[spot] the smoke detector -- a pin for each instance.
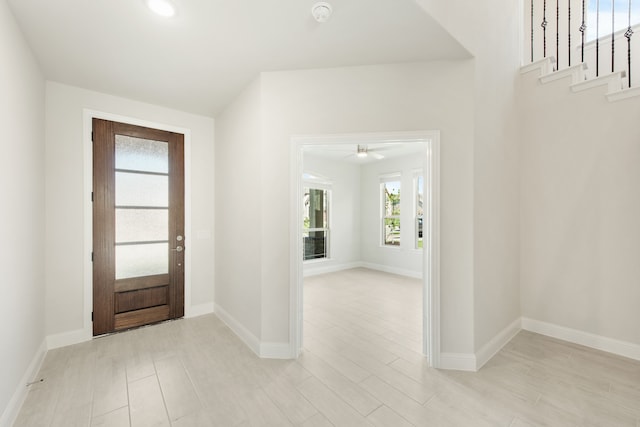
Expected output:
(321, 11)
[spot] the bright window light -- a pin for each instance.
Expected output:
(162, 7)
(625, 14)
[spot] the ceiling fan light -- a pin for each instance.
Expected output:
(361, 151)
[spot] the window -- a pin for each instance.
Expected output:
(419, 210)
(625, 13)
(390, 192)
(315, 220)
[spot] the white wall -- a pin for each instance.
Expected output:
(238, 221)
(344, 212)
(425, 96)
(491, 32)
(405, 259)
(22, 90)
(66, 198)
(580, 208)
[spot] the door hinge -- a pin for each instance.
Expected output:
(91, 256)
(91, 136)
(92, 196)
(92, 316)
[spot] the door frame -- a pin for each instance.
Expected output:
(88, 116)
(431, 246)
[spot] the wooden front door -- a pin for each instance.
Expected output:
(138, 226)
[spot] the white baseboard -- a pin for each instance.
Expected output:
(276, 350)
(13, 407)
(199, 310)
(621, 348)
(317, 269)
(473, 362)
(458, 361)
(392, 270)
(495, 345)
(243, 333)
(311, 270)
(68, 338)
(266, 350)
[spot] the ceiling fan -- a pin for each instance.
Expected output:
(362, 152)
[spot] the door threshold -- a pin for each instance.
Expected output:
(136, 327)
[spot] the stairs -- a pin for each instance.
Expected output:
(614, 81)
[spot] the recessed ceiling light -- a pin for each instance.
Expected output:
(162, 7)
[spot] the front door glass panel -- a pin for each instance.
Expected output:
(141, 225)
(141, 260)
(141, 207)
(142, 154)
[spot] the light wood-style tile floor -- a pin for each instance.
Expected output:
(361, 366)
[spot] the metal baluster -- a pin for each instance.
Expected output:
(613, 40)
(569, 32)
(628, 35)
(557, 34)
(531, 30)
(582, 29)
(597, 36)
(544, 29)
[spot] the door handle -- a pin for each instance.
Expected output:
(179, 248)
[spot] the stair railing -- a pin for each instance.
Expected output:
(599, 21)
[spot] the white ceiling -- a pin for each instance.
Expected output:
(201, 59)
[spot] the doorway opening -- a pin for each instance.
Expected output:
(418, 230)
